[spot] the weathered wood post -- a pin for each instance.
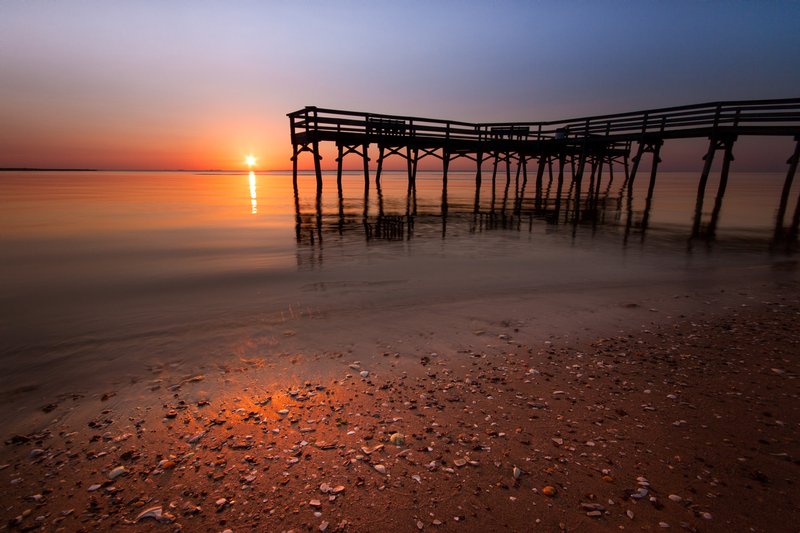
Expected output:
(339, 168)
(723, 184)
(365, 155)
(787, 186)
(636, 159)
(294, 168)
(380, 165)
(654, 169)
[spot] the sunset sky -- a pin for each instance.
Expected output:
(156, 85)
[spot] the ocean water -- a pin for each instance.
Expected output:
(102, 271)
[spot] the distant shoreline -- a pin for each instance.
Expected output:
(27, 169)
(34, 169)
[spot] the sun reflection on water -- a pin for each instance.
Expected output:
(253, 198)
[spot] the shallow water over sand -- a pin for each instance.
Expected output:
(104, 272)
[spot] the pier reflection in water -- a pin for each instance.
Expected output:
(605, 204)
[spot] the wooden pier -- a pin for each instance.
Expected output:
(586, 144)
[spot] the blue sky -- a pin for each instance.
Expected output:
(196, 84)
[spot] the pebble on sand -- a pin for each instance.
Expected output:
(549, 490)
(118, 471)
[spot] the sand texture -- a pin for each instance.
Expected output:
(686, 420)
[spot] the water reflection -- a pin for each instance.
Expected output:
(560, 202)
(253, 197)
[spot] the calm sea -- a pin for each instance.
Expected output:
(102, 268)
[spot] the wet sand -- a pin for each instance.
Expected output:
(680, 409)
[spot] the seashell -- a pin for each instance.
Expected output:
(118, 471)
(153, 512)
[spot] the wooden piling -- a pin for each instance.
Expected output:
(380, 166)
(339, 168)
(365, 155)
(317, 166)
(787, 186)
(636, 159)
(294, 168)
(701, 185)
(410, 165)
(723, 184)
(540, 174)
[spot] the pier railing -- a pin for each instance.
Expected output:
(751, 116)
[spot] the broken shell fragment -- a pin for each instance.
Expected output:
(153, 512)
(118, 471)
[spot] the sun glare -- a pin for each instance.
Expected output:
(250, 160)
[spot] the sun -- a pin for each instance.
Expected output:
(250, 160)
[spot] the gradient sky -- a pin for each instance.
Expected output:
(178, 84)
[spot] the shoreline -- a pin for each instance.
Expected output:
(702, 407)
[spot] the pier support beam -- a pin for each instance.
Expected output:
(645, 145)
(385, 151)
(795, 221)
(540, 173)
(410, 164)
(651, 186)
(317, 167)
(313, 147)
(722, 143)
(345, 150)
(723, 184)
(787, 187)
(339, 169)
(364, 153)
(294, 168)
(600, 160)
(380, 166)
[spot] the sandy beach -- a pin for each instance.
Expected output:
(677, 410)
